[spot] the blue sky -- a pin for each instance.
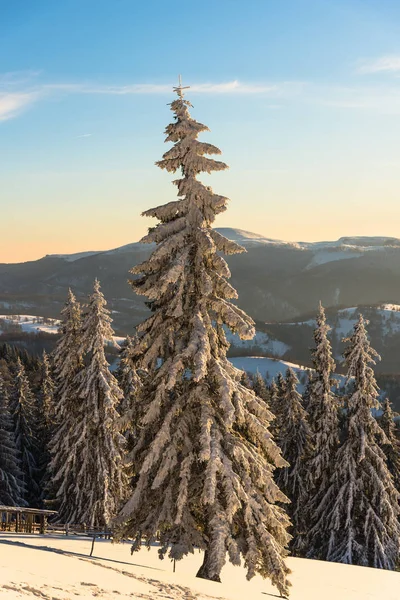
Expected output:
(302, 97)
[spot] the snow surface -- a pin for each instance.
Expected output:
(59, 568)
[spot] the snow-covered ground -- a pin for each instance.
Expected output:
(59, 568)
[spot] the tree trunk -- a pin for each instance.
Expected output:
(205, 570)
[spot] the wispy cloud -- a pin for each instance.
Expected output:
(388, 64)
(84, 135)
(12, 104)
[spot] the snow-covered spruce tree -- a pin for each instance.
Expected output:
(307, 390)
(259, 387)
(277, 392)
(205, 457)
(364, 510)
(12, 487)
(22, 407)
(273, 396)
(45, 416)
(130, 384)
(246, 380)
(293, 438)
(67, 362)
(99, 479)
(324, 426)
(46, 396)
(391, 445)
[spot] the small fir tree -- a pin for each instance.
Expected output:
(45, 416)
(363, 507)
(22, 406)
(205, 458)
(293, 440)
(260, 388)
(277, 393)
(324, 427)
(305, 398)
(99, 479)
(12, 486)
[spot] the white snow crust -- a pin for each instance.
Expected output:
(59, 568)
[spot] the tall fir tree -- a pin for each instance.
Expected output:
(293, 438)
(99, 479)
(391, 445)
(324, 426)
(22, 406)
(67, 362)
(12, 486)
(204, 458)
(362, 505)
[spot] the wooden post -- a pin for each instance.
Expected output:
(67, 529)
(16, 522)
(91, 551)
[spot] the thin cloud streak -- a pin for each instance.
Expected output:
(388, 64)
(230, 87)
(16, 97)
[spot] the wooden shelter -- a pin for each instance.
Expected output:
(20, 519)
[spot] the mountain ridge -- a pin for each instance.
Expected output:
(248, 238)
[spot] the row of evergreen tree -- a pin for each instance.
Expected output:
(343, 476)
(26, 394)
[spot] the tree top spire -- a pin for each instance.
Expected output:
(179, 89)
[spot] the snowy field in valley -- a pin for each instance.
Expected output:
(267, 367)
(262, 340)
(59, 568)
(31, 323)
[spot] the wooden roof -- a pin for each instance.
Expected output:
(23, 509)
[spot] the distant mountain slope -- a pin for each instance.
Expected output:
(276, 280)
